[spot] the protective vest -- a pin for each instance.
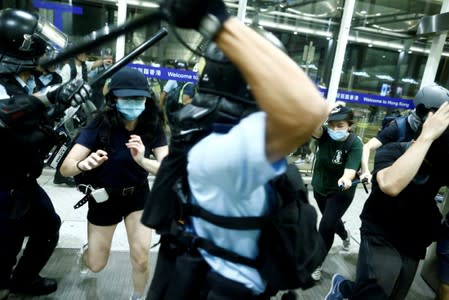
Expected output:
(73, 70)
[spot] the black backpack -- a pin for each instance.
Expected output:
(401, 122)
(290, 246)
(173, 101)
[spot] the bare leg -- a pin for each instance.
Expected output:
(443, 291)
(99, 246)
(139, 239)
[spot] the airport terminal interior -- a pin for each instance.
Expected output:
(372, 54)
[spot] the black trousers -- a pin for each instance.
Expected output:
(382, 272)
(186, 275)
(332, 208)
(40, 223)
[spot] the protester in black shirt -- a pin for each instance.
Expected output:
(400, 217)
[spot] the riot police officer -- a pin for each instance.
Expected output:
(27, 136)
(232, 140)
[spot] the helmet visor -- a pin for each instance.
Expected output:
(50, 34)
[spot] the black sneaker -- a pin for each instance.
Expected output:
(59, 179)
(4, 293)
(38, 286)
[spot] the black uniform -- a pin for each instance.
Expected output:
(49, 79)
(25, 208)
(395, 231)
(391, 133)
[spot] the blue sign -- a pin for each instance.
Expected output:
(370, 99)
(59, 9)
(166, 73)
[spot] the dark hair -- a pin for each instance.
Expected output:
(149, 122)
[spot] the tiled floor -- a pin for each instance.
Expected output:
(73, 235)
(73, 232)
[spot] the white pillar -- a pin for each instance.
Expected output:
(121, 18)
(433, 60)
(241, 12)
(342, 43)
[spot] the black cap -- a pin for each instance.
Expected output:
(129, 82)
(341, 113)
(180, 64)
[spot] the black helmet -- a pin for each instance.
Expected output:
(180, 64)
(24, 39)
(224, 96)
(223, 78)
(430, 98)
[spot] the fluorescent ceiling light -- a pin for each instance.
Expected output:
(385, 77)
(286, 27)
(361, 74)
(409, 80)
(309, 66)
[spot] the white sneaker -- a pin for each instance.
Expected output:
(347, 241)
(316, 275)
(82, 265)
(134, 298)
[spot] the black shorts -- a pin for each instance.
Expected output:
(117, 207)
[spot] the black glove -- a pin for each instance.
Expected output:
(72, 93)
(206, 16)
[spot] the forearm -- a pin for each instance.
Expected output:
(162, 99)
(294, 106)
(349, 174)
(394, 179)
(69, 167)
(98, 63)
(150, 165)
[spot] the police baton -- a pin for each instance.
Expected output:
(364, 181)
(130, 56)
(102, 36)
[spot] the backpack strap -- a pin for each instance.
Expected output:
(211, 248)
(238, 223)
(402, 126)
(348, 143)
(73, 70)
(181, 92)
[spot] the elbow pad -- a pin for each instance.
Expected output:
(21, 111)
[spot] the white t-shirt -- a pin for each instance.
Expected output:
(65, 71)
(170, 85)
(227, 174)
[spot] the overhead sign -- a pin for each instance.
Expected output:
(166, 73)
(370, 99)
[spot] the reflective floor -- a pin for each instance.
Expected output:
(114, 282)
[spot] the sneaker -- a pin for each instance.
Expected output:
(334, 292)
(82, 265)
(36, 287)
(316, 275)
(59, 179)
(347, 241)
(135, 298)
(4, 293)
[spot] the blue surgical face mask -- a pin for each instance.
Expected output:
(338, 135)
(130, 109)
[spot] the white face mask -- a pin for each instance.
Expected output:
(338, 135)
(130, 109)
